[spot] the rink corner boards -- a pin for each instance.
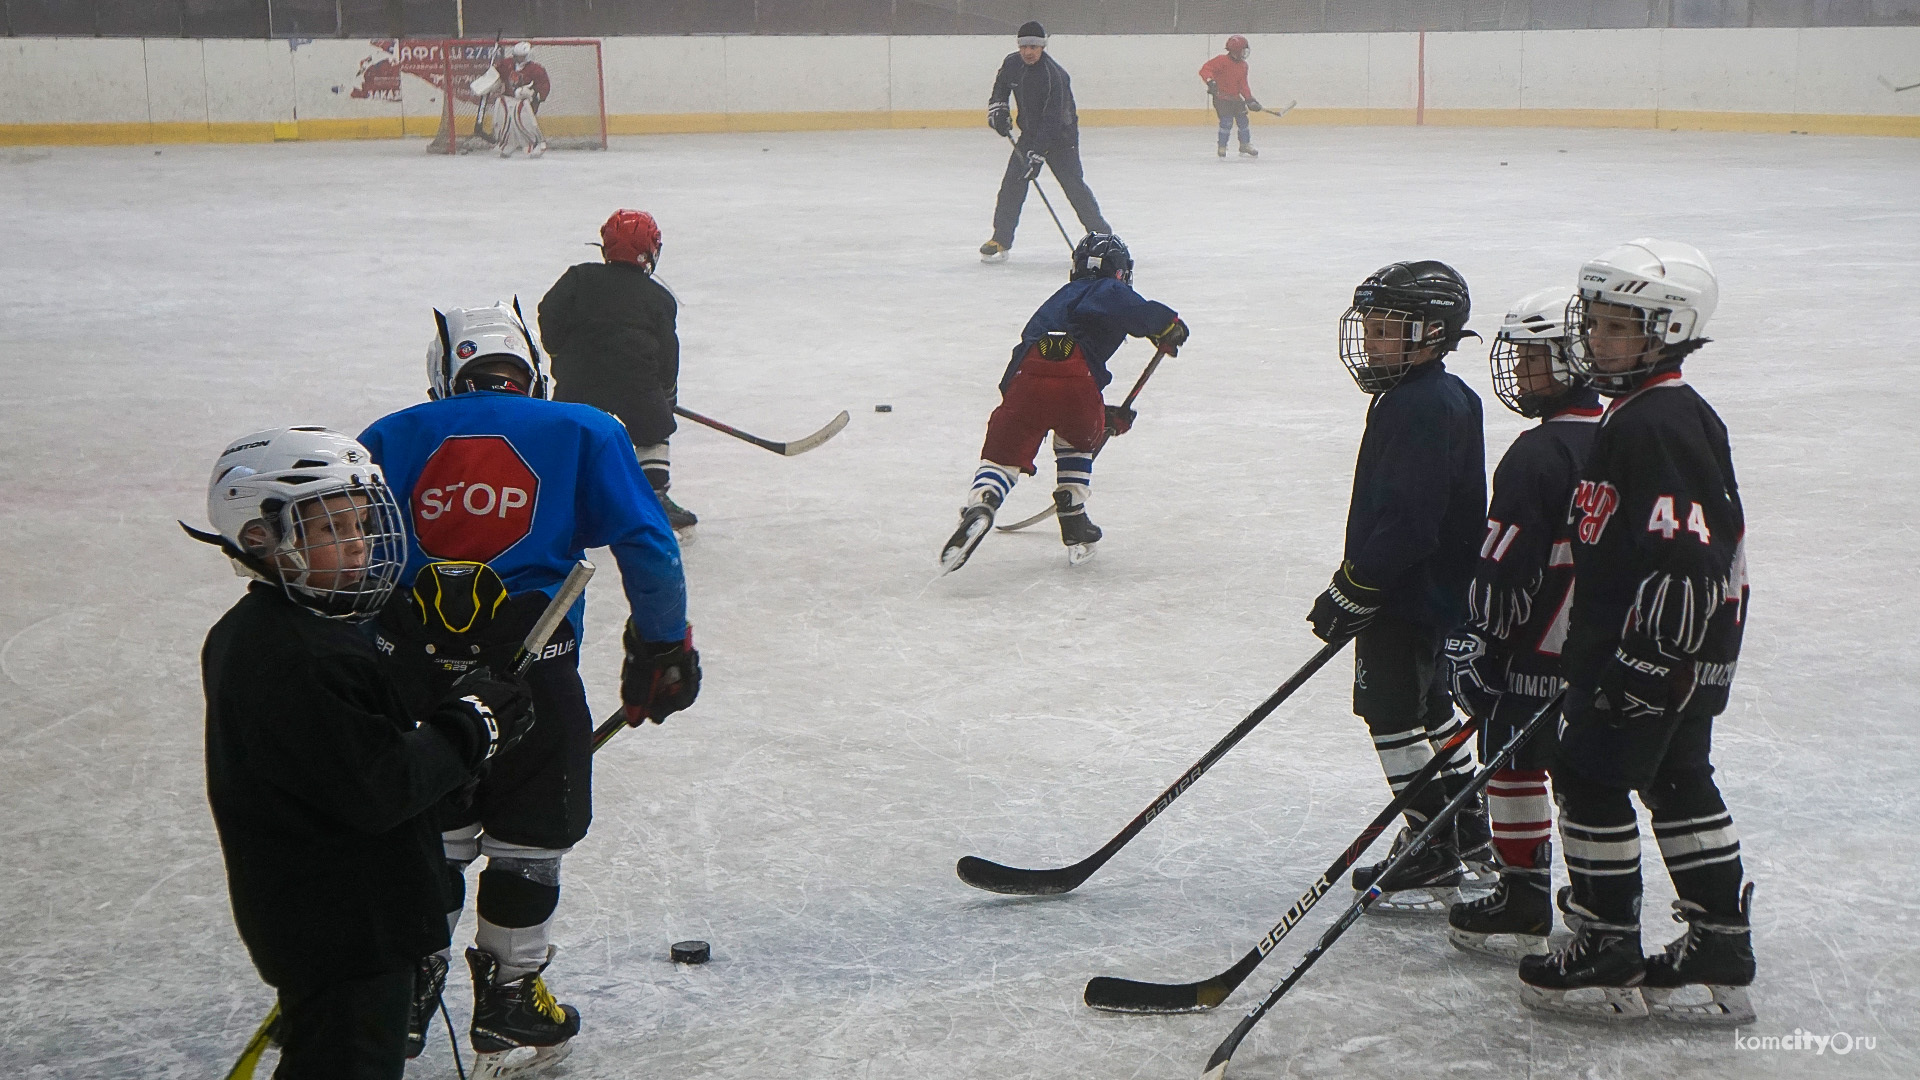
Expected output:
(322, 130)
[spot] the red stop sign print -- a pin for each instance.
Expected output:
(474, 500)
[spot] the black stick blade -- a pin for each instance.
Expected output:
(993, 877)
(1222, 1054)
(1127, 996)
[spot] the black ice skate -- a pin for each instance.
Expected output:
(1573, 916)
(1716, 954)
(1473, 840)
(679, 517)
(429, 979)
(976, 521)
(1602, 957)
(1222, 152)
(511, 1019)
(993, 251)
(1514, 919)
(1076, 531)
(1246, 150)
(1430, 881)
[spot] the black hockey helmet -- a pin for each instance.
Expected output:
(1399, 312)
(1102, 255)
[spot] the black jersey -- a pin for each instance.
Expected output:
(1521, 599)
(1048, 119)
(611, 331)
(1658, 540)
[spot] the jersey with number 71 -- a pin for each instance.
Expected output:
(1658, 533)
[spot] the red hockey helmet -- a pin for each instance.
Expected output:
(1237, 45)
(631, 236)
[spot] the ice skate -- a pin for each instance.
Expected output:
(1514, 919)
(1428, 882)
(1602, 965)
(976, 521)
(429, 980)
(537, 149)
(679, 517)
(1473, 840)
(518, 1029)
(1076, 530)
(1246, 150)
(993, 251)
(1714, 956)
(1221, 152)
(1572, 916)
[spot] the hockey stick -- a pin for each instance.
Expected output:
(1035, 181)
(1282, 112)
(1217, 1064)
(1129, 996)
(549, 621)
(788, 449)
(250, 1056)
(1888, 83)
(995, 877)
(1159, 355)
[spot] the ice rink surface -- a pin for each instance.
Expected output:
(862, 727)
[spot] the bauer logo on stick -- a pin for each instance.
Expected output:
(474, 499)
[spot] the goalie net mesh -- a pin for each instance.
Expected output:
(572, 117)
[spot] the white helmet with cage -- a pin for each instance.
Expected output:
(522, 51)
(307, 509)
(469, 336)
(1534, 329)
(1670, 290)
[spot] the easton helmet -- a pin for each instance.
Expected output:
(631, 236)
(1531, 373)
(1102, 255)
(1644, 305)
(1403, 315)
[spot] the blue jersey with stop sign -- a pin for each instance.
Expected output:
(527, 486)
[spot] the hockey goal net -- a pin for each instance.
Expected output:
(573, 116)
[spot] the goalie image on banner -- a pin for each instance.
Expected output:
(517, 85)
(489, 95)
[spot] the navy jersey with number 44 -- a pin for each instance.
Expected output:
(1658, 540)
(527, 486)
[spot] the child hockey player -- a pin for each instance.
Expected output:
(611, 330)
(1053, 384)
(320, 781)
(1413, 528)
(522, 87)
(1506, 660)
(1226, 79)
(495, 474)
(1655, 633)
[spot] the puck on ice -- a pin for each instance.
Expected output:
(691, 952)
(883, 408)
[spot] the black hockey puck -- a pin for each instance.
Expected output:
(691, 952)
(883, 408)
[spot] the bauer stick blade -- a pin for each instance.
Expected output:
(786, 449)
(1127, 995)
(557, 608)
(998, 877)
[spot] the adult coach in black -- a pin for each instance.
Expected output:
(1657, 619)
(1413, 537)
(1049, 137)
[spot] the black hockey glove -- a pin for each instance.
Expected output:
(1254, 106)
(1035, 162)
(1643, 681)
(1213, 88)
(1345, 608)
(1474, 673)
(1119, 420)
(1170, 339)
(484, 715)
(658, 678)
(999, 119)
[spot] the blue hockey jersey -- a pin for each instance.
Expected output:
(1099, 314)
(527, 486)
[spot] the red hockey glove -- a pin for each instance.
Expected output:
(658, 679)
(1119, 420)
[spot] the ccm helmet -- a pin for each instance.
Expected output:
(1534, 333)
(1641, 308)
(1400, 312)
(1102, 255)
(306, 508)
(469, 336)
(631, 236)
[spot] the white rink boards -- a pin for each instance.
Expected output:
(861, 729)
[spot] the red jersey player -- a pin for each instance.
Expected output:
(523, 86)
(1226, 79)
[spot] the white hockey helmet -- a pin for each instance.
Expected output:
(1539, 320)
(1670, 284)
(521, 51)
(307, 509)
(468, 336)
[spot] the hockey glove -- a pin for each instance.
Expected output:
(658, 678)
(1170, 339)
(999, 119)
(1254, 106)
(1643, 681)
(1345, 608)
(1119, 420)
(1474, 673)
(1213, 88)
(484, 715)
(1035, 162)
(523, 93)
